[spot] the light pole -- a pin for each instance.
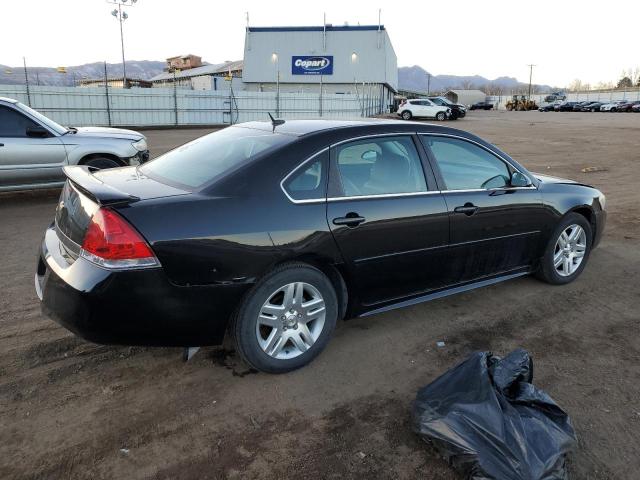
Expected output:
(530, 75)
(276, 62)
(121, 16)
(354, 61)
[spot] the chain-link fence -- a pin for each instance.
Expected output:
(174, 106)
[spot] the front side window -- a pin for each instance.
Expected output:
(211, 157)
(378, 166)
(59, 129)
(466, 166)
(309, 182)
(13, 123)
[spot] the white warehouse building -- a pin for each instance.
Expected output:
(342, 59)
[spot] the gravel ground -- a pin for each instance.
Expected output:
(72, 409)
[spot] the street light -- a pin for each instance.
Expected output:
(121, 16)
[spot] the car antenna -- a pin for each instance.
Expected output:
(275, 121)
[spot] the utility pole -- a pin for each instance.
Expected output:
(428, 84)
(121, 17)
(530, 76)
(26, 81)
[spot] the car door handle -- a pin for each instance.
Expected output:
(351, 219)
(468, 209)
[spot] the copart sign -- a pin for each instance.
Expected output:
(316, 65)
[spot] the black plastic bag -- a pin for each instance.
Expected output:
(487, 419)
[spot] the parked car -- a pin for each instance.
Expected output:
(591, 107)
(423, 108)
(636, 108)
(565, 107)
(34, 148)
(549, 107)
(273, 232)
(627, 105)
(481, 106)
(611, 106)
(579, 105)
(457, 110)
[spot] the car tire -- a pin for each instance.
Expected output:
(441, 116)
(406, 115)
(272, 333)
(102, 163)
(569, 268)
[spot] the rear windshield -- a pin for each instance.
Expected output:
(208, 158)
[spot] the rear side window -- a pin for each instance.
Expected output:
(309, 182)
(14, 124)
(209, 158)
(379, 166)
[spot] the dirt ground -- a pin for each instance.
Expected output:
(72, 409)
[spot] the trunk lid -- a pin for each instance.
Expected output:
(86, 191)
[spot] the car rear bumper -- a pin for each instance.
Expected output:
(135, 307)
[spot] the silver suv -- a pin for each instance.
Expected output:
(34, 148)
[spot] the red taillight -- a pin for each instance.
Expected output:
(111, 242)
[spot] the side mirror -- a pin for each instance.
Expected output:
(37, 132)
(369, 156)
(519, 180)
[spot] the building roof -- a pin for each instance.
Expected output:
(328, 28)
(203, 70)
(474, 90)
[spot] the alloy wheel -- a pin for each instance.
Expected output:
(569, 251)
(291, 320)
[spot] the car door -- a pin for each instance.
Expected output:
(496, 228)
(430, 109)
(28, 156)
(388, 219)
(415, 108)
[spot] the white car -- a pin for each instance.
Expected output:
(612, 106)
(421, 107)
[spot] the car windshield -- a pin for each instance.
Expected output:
(441, 101)
(59, 129)
(208, 158)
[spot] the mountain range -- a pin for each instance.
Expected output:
(415, 78)
(144, 69)
(409, 78)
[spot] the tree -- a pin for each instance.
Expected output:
(625, 82)
(576, 86)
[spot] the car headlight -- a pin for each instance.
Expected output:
(140, 145)
(603, 201)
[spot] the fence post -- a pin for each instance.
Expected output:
(106, 93)
(175, 97)
(320, 98)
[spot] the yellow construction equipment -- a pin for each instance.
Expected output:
(520, 103)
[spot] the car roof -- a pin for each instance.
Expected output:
(8, 100)
(305, 127)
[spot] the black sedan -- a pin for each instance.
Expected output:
(565, 107)
(271, 233)
(481, 106)
(457, 110)
(577, 107)
(592, 107)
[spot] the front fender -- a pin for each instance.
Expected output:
(121, 149)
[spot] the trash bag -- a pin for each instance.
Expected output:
(488, 420)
